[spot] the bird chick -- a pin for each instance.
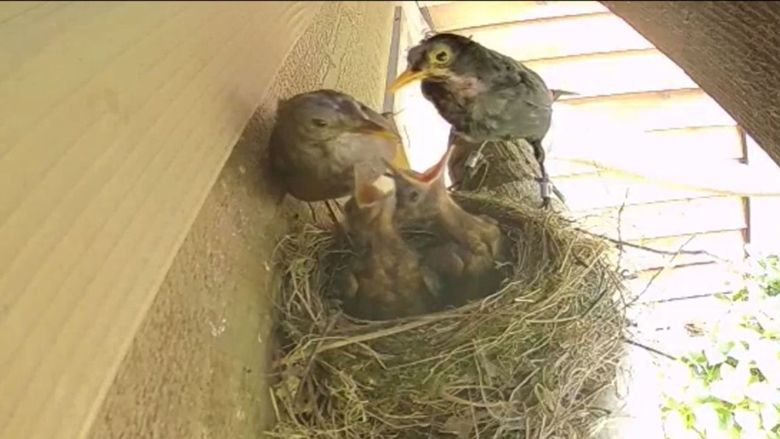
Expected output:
(319, 137)
(485, 95)
(384, 279)
(466, 251)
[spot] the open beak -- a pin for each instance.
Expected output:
(406, 175)
(436, 172)
(406, 78)
(366, 194)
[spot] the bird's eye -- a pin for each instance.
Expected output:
(442, 56)
(319, 123)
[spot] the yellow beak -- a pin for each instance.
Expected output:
(406, 78)
(367, 194)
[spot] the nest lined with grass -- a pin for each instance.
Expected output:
(531, 361)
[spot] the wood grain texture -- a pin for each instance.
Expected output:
(557, 37)
(727, 245)
(603, 74)
(654, 110)
(684, 282)
(448, 16)
(671, 218)
(197, 366)
(731, 50)
(676, 146)
(116, 120)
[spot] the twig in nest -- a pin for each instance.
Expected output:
(414, 324)
(310, 361)
(662, 270)
(620, 230)
(649, 349)
(652, 250)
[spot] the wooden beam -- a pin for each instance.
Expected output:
(603, 74)
(763, 212)
(463, 16)
(727, 244)
(672, 218)
(553, 38)
(682, 282)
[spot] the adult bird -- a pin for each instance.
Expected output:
(485, 95)
(384, 278)
(467, 252)
(318, 138)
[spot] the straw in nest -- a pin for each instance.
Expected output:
(531, 361)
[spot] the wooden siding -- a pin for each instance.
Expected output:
(115, 120)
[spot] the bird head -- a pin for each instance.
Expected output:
(325, 114)
(418, 195)
(436, 57)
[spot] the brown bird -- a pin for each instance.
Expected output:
(318, 138)
(466, 251)
(485, 95)
(384, 279)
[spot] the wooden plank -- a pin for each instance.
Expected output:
(680, 145)
(709, 177)
(667, 219)
(449, 16)
(12, 9)
(764, 212)
(647, 111)
(613, 73)
(684, 282)
(593, 191)
(559, 37)
(729, 245)
(116, 119)
(712, 142)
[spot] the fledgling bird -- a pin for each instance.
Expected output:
(384, 279)
(485, 95)
(468, 252)
(319, 137)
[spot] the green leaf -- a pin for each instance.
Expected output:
(724, 417)
(740, 296)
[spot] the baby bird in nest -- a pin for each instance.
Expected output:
(468, 252)
(485, 95)
(384, 278)
(319, 137)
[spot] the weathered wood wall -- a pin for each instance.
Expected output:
(116, 119)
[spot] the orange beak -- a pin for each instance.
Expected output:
(406, 78)
(436, 172)
(367, 194)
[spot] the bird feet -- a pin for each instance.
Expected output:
(545, 189)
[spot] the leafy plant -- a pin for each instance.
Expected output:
(731, 387)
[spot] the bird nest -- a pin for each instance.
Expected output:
(532, 360)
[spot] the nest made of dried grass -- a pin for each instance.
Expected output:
(531, 361)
